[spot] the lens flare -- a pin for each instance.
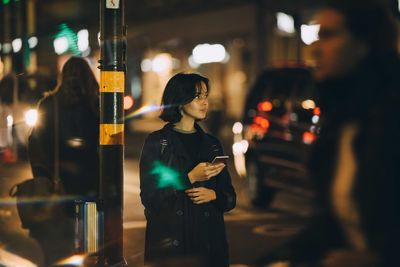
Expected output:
(146, 109)
(166, 176)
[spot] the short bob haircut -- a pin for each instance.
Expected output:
(180, 90)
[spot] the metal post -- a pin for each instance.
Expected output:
(19, 33)
(31, 60)
(7, 48)
(112, 87)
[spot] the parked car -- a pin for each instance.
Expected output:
(19, 96)
(272, 142)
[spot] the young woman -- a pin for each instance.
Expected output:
(183, 194)
(71, 110)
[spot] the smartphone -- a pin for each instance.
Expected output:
(220, 159)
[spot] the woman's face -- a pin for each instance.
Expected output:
(197, 109)
(336, 52)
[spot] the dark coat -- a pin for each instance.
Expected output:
(78, 145)
(78, 167)
(177, 229)
(367, 99)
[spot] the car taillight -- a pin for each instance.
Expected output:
(317, 111)
(262, 122)
(264, 106)
(256, 131)
(309, 137)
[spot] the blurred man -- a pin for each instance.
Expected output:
(355, 159)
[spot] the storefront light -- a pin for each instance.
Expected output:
(162, 63)
(33, 42)
(146, 65)
(61, 45)
(209, 53)
(192, 63)
(17, 45)
(83, 40)
(309, 33)
(285, 23)
(7, 47)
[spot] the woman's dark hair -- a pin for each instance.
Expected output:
(370, 21)
(180, 90)
(77, 84)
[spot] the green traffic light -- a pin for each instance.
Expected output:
(6, 2)
(70, 35)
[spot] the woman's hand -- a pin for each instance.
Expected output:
(200, 195)
(205, 171)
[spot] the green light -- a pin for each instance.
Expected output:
(65, 31)
(6, 2)
(167, 177)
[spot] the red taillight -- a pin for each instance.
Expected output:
(264, 106)
(317, 111)
(263, 122)
(257, 129)
(309, 137)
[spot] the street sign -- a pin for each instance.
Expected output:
(113, 4)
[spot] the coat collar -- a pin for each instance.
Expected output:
(168, 128)
(206, 146)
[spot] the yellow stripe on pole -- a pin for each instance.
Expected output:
(111, 134)
(112, 82)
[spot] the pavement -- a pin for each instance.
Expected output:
(252, 233)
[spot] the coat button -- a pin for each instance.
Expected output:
(207, 214)
(179, 213)
(175, 243)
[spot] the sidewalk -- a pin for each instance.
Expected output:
(14, 239)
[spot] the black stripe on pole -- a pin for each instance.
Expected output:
(112, 108)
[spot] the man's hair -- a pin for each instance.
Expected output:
(370, 21)
(180, 90)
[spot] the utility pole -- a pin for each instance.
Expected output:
(19, 34)
(7, 47)
(31, 58)
(112, 87)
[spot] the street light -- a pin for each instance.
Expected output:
(61, 45)
(309, 33)
(83, 40)
(209, 53)
(33, 42)
(17, 45)
(285, 23)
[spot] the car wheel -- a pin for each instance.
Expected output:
(260, 195)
